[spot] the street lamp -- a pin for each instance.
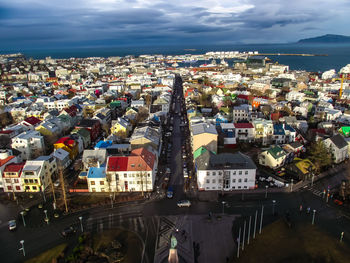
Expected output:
(266, 186)
(291, 186)
(327, 196)
(81, 223)
(111, 196)
(22, 248)
(22, 214)
(46, 218)
(313, 216)
(341, 236)
(273, 206)
(223, 207)
(312, 179)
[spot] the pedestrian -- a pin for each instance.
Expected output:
(308, 210)
(300, 208)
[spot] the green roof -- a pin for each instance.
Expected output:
(82, 131)
(345, 130)
(199, 152)
(276, 151)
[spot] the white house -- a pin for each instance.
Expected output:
(29, 143)
(338, 146)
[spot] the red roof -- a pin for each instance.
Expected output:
(117, 164)
(66, 141)
(71, 111)
(32, 120)
(6, 132)
(14, 167)
(243, 97)
(243, 125)
(4, 161)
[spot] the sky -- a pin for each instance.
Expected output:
(90, 23)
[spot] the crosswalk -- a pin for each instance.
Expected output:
(316, 192)
(133, 222)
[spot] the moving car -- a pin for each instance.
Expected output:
(184, 203)
(12, 225)
(68, 231)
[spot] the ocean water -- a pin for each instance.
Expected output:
(338, 55)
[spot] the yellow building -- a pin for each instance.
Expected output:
(69, 145)
(204, 134)
(121, 127)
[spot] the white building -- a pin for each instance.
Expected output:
(29, 143)
(225, 171)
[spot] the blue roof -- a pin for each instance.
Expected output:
(97, 172)
(103, 144)
(289, 128)
(278, 129)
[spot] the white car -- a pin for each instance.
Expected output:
(183, 203)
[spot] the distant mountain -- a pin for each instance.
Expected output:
(329, 38)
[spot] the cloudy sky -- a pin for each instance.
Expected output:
(54, 23)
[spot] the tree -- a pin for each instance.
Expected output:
(319, 155)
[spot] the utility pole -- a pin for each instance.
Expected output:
(63, 188)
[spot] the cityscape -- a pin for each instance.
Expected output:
(166, 134)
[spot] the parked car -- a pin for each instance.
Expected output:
(170, 192)
(68, 231)
(12, 225)
(184, 203)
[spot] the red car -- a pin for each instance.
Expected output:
(338, 202)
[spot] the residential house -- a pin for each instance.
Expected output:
(38, 174)
(47, 128)
(244, 132)
(12, 177)
(204, 134)
(69, 145)
(5, 158)
(228, 131)
(135, 172)
(225, 171)
(121, 127)
(338, 146)
(62, 158)
(94, 158)
(303, 168)
(263, 130)
(93, 126)
(85, 135)
(103, 115)
(146, 137)
(273, 158)
(240, 113)
(29, 143)
(31, 122)
(97, 180)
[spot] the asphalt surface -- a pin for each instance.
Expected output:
(143, 217)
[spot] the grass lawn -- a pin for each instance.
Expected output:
(302, 244)
(132, 245)
(48, 255)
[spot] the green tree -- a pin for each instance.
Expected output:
(319, 155)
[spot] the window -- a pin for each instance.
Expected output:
(233, 187)
(233, 180)
(246, 172)
(36, 181)
(245, 187)
(213, 181)
(34, 187)
(239, 187)
(208, 181)
(245, 180)
(213, 188)
(234, 172)
(16, 181)
(220, 181)
(240, 173)
(208, 173)
(27, 188)
(214, 173)
(102, 189)
(149, 174)
(18, 188)
(8, 181)
(102, 182)
(220, 173)
(92, 183)
(240, 180)
(93, 189)
(9, 187)
(30, 181)
(125, 175)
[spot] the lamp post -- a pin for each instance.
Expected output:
(81, 223)
(261, 218)
(341, 236)
(327, 196)
(223, 207)
(46, 218)
(22, 248)
(313, 216)
(111, 196)
(291, 186)
(312, 179)
(273, 206)
(22, 214)
(266, 186)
